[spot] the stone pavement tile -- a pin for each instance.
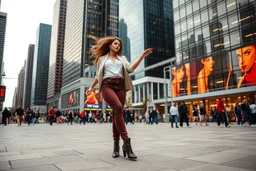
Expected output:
(2, 148)
(40, 168)
(83, 165)
(220, 147)
(170, 162)
(4, 165)
(9, 153)
(66, 152)
(212, 167)
(45, 161)
(20, 156)
(243, 151)
(219, 158)
(244, 163)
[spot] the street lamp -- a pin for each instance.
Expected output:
(167, 69)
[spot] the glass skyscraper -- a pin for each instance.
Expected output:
(86, 20)
(215, 42)
(41, 67)
(144, 24)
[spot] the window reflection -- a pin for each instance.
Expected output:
(190, 23)
(189, 8)
(231, 5)
(204, 16)
(195, 5)
(182, 12)
(197, 20)
(203, 3)
(176, 16)
(221, 8)
(206, 31)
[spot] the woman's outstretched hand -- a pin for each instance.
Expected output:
(146, 52)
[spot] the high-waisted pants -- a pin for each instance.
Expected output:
(113, 92)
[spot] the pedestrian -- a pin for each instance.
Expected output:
(183, 110)
(151, 116)
(28, 116)
(5, 116)
(82, 118)
(37, 115)
(155, 115)
(221, 117)
(245, 109)
(228, 114)
(253, 114)
(58, 115)
(195, 114)
(174, 114)
(203, 117)
(19, 114)
(238, 114)
(70, 117)
(114, 80)
(51, 114)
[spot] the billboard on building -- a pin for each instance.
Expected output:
(93, 100)
(228, 70)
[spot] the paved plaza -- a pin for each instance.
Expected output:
(64, 147)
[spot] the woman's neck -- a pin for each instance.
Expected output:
(112, 54)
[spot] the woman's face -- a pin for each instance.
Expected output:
(179, 74)
(208, 64)
(115, 46)
(247, 57)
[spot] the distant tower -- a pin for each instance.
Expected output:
(41, 67)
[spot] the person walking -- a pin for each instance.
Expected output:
(5, 116)
(58, 115)
(51, 114)
(82, 116)
(183, 110)
(19, 113)
(70, 117)
(114, 80)
(221, 113)
(253, 114)
(29, 116)
(245, 109)
(238, 114)
(203, 117)
(174, 114)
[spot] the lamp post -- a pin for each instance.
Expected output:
(167, 69)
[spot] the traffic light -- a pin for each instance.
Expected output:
(2, 93)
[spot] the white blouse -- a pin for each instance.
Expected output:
(113, 69)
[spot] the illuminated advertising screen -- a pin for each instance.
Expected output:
(93, 100)
(229, 70)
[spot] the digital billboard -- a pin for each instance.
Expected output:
(93, 100)
(234, 69)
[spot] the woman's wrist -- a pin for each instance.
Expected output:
(141, 58)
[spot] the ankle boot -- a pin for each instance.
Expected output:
(116, 149)
(127, 149)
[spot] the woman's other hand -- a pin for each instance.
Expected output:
(146, 52)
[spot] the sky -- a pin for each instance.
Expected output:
(23, 18)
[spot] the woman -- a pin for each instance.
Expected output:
(178, 74)
(238, 113)
(245, 109)
(202, 77)
(113, 79)
(247, 60)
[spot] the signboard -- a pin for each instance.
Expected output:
(93, 100)
(2, 93)
(228, 70)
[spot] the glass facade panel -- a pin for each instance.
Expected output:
(189, 8)
(183, 26)
(203, 3)
(176, 15)
(206, 31)
(231, 5)
(235, 38)
(195, 5)
(177, 29)
(182, 12)
(197, 20)
(190, 23)
(221, 8)
(175, 4)
(204, 16)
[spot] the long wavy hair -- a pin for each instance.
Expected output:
(102, 48)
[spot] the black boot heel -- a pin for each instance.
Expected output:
(127, 149)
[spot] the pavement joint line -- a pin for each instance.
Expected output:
(57, 167)
(5, 149)
(234, 160)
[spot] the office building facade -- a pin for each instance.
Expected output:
(41, 67)
(85, 21)
(215, 52)
(56, 53)
(20, 86)
(3, 19)
(28, 77)
(146, 24)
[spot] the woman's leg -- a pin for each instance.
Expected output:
(116, 99)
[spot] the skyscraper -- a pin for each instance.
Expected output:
(144, 24)
(3, 18)
(28, 77)
(20, 86)
(56, 53)
(41, 67)
(85, 21)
